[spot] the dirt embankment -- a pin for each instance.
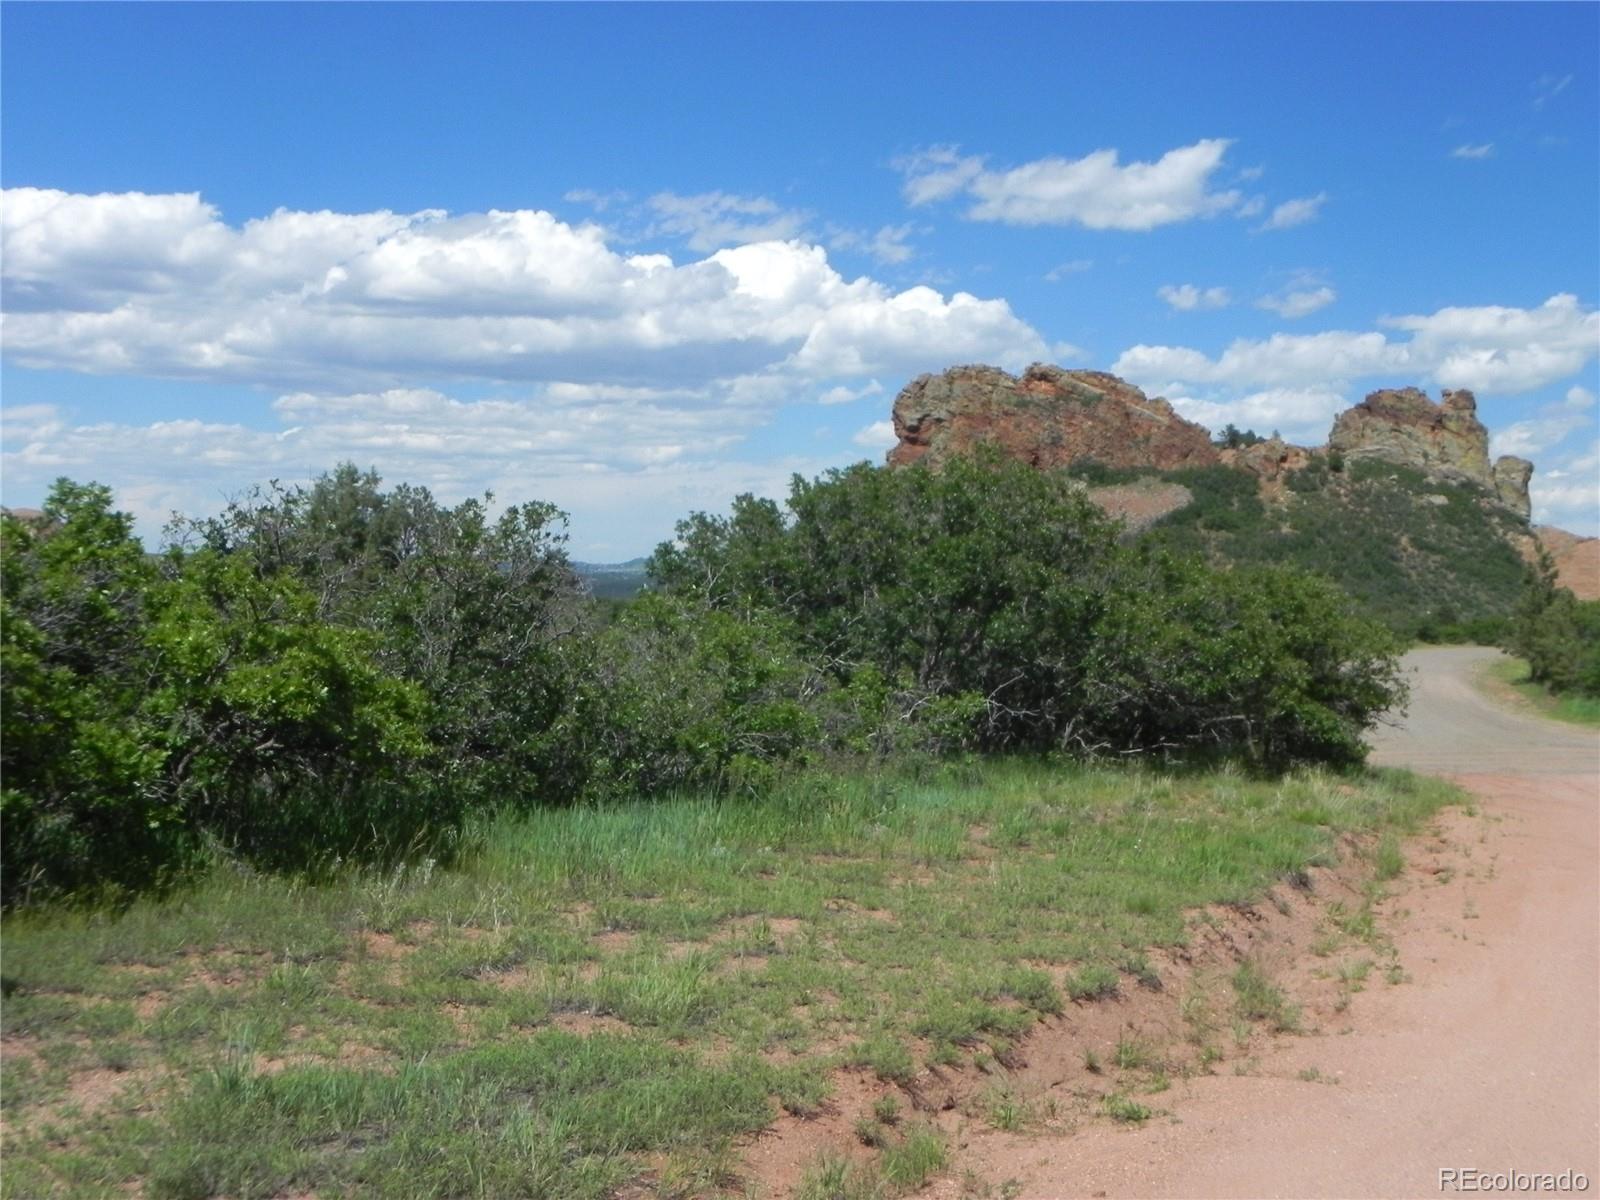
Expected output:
(1487, 1058)
(1481, 1052)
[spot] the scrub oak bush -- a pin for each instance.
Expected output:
(1002, 587)
(342, 670)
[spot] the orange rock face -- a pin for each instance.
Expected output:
(1048, 417)
(1577, 560)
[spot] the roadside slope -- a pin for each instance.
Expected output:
(1487, 1059)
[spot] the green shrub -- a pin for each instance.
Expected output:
(149, 709)
(1558, 634)
(999, 592)
(678, 696)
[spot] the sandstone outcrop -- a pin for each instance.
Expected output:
(1402, 426)
(1511, 475)
(1047, 417)
(1270, 460)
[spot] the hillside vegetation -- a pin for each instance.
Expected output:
(1426, 556)
(346, 671)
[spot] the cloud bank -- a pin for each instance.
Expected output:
(159, 285)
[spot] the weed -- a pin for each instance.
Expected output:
(1091, 1061)
(1360, 924)
(886, 1110)
(833, 1177)
(1127, 1111)
(907, 1166)
(887, 1056)
(1131, 1054)
(1093, 982)
(1138, 965)
(1195, 1009)
(1259, 999)
(1387, 860)
(870, 1133)
(1352, 974)
(1033, 988)
(1005, 1109)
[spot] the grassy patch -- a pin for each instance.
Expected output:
(1126, 1111)
(1259, 999)
(1507, 680)
(593, 993)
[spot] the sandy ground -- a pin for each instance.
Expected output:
(1489, 1058)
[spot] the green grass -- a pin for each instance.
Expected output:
(1126, 1111)
(1257, 998)
(1508, 679)
(591, 991)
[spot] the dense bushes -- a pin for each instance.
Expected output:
(474, 612)
(1558, 634)
(342, 670)
(1000, 589)
(150, 705)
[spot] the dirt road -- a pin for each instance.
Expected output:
(1489, 1058)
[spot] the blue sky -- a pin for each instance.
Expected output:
(637, 259)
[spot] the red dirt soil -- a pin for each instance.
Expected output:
(1490, 1058)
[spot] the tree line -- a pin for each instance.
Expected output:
(343, 671)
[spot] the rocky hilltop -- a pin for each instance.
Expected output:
(1403, 426)
(1444, 538)
(1047, 417)
(1051, 417)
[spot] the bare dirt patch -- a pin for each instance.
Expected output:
(583, 1023)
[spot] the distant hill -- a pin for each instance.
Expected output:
(1415, 551)
(612, 581)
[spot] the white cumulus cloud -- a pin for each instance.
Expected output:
(1189, 298)
(1548, 427)
(1097, 191)
(712, 220)
(847, 395)
(161, 286)
(1293, 303)
(1490, 349)
(1300, 415)
(877, 436)
(1296, 212)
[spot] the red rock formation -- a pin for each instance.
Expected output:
(1403, 426)
(1048, 418)
(1270, 460)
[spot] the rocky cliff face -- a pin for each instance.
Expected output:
(1403, 426)
(1511, 475)
(1048, 417)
